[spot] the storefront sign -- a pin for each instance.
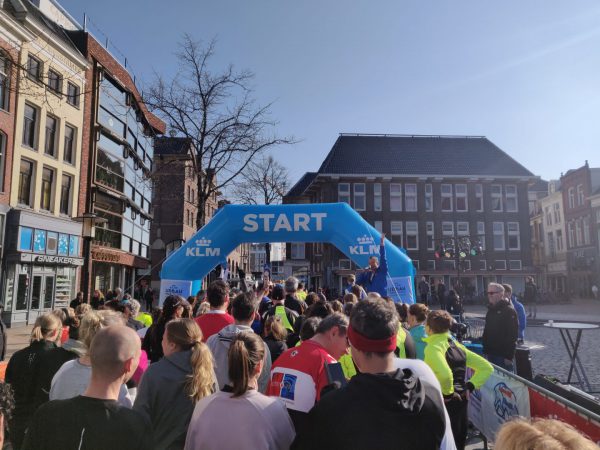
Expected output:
(49, 259)
(105, 256)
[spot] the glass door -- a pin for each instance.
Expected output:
(48, 292)
(35, 299)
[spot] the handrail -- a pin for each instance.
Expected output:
(577, 408)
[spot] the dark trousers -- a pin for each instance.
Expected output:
(499, 361)
(423, 299)
(459, 420)
(149, 304)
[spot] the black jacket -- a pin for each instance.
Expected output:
(2, 340)
(275, 347)
(152, 342)
(294, 304)
(384, 411)
(531, 292)
(501, 330)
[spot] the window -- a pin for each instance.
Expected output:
(481, 233)
(377, 201)
(395, 197)
(416, 263)
(466, 264)
(510, 190)
(54, 81)
(460, 191)
(431, 264)
(462, 228)
(25, 180)
(571, 235)
(428, 198)
(51, 135)
(378, 226)
(344, 192)
(297, 250)
(34, 68)
(571, 197)
(496, 197)
(410, 197)
(557, 213)
(499, 236)
(550, 249)
(4, 81)
(559, 241)
(500, 264)
(30, 126)
(69, 150)
(72, 94)
(65, 194)
(344, 264)
(580, 196)
(412, 236)
(430, 236)
(47, 181)
(514, 237)
(586, 231)
(446, 197)
(396, 232)
(578, 235)
(2, 154)
(514, 264)
(359, 197)
(483, 264)
(548, 215)
(448, 229)
(479, 197)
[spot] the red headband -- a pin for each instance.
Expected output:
(364, 344)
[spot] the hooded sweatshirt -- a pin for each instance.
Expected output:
(219, 346)
(384, 411)
(163, 399)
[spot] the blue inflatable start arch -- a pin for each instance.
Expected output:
(334, 223)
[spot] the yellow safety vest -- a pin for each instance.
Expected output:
(347, 365)
(400, 339)
(280, 311)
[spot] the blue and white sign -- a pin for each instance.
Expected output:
(334, 223)
(182, 288)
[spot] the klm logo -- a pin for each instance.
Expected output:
(202, 249)
(365, 246)
(174, 290)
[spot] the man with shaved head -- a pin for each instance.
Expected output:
(95, 420)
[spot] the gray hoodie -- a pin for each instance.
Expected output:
(162, 398)
(219, 346)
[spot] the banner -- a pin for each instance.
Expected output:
(499, 400)
(400, 289)
(174, 287)
(543, 406)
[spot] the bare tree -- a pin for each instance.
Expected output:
(264, 181)
(216, 111)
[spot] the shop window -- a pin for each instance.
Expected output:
(63, 244)
(51, 243)
(39, 241)
(25, 239)
(73, 245)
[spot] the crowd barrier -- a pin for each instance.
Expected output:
(506, 396)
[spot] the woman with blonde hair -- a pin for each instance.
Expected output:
(275, 337)
(260, 422)
(181, 378)
(74, 376)
(23, 369)
(541, 434)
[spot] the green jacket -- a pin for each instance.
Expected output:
(435, 357)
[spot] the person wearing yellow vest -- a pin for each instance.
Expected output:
(301, 292)
(449, 360)
(277, 308)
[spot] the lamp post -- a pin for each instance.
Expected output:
(89, 221)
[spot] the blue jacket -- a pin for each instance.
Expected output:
(418, 333)
(521, 316)
(375, 281)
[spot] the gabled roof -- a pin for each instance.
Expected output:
(299, 188)
(172, 145)
(539, 186)
(419, 155)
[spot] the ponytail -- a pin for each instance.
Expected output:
(45, 327)
(186, 334)
(246, 351)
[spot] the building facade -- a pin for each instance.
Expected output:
(554, 277)
(577, 186)
(116, 171)
(421, 191)
(43, 244)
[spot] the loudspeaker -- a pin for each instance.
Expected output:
(523, 363)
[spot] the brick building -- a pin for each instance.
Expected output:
(420, 190)
(577, 186)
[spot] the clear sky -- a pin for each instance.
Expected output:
(526, 74)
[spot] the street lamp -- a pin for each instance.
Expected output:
(89, 221)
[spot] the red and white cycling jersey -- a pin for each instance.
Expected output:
(298, 375)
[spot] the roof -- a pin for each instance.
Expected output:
(172, 145)
(299, 188)
(539, 186)
(419, 155)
